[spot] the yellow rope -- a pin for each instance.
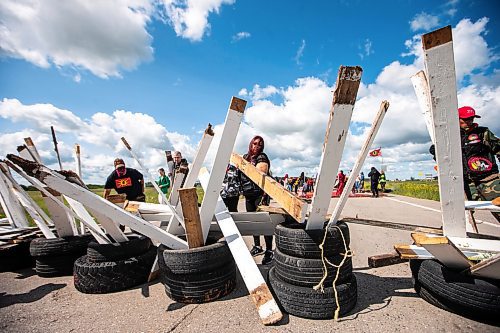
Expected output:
(325, 261)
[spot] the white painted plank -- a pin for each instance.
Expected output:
(94, 229)
(481, 205)
(333, 147)
(195, 167)
(87, 219)
(6, 211)
(421, 88)
(34, 213)
(476, 244)
(226, 144)
(440, 65)
(111, 225)
(377, 122)
(255, 283)
(443, 250)
(35, 156)
(60, 217)
(174, 191)
(103, 206)
(419, 252)
(12, 203)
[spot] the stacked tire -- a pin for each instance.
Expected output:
(198, 275)
(56, 256)
(298, 267)
(114, 267)
(457, 292)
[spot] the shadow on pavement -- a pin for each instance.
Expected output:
(31, 296)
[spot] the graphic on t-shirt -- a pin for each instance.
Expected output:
(123, 182)
(473, 138)
(479, 164)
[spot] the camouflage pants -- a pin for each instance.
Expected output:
(486, 191)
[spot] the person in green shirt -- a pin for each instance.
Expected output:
(163, 183)
(382, 180)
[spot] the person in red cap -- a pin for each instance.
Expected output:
(480, 149)
(125, 180)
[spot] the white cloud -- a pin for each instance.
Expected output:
(300, 52)
(189, 18)
(241, 35)
(424, 21)
(99, 137)
(103, 37)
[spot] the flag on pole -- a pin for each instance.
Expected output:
(376, 152)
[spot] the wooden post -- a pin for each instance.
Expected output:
(78, 161)
(12, 205)
(260, 294)
(55, 147)
(226, 144)
(32, 149)
(292, 204)
(440, 64)
(377, 122)
(170, 165)
(194, 233)
(344, 97)
(176, 185)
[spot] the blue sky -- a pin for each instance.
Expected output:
(157, 72)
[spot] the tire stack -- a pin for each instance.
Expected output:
(457, 292)
(198, 275)
(298, 267)
(56, 256)
(114, 267)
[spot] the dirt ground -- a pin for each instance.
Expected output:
(386, 299)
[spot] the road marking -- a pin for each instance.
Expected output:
(437, 210)
(412, 204)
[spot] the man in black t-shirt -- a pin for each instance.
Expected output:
(125, 180)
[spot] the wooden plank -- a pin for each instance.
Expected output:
(88, 220)
(254, 228)
(191, 213)
(377, 122)
(117, 198)
(97, 203)
(440, 65)
(5, 208)
(443, 250)
(35, 214)
(344, 97)
(222, 155)
(78, 161)
(60, 217)
(260, 294)
(170, 165)
(418, 252)
(476, 244)
(194, 168)
(421, 88)
(12, 205)
(272, 210)
(489, 268)
(32, 150)
(385, 259)
(481, 205)
(110, 224)
(392, 225)
(291, 203)
(176, 186)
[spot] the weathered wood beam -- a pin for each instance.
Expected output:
(191, 213)
(443, 250)
(292, 204)
(440, 65)
(489, 268)
(344, 97)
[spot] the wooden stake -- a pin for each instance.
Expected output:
(344, 97)
(226, 144)
(55, 147)
(377, 122)
(440, 64)
(194, 233)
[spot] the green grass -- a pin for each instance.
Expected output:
(151, 197)
(416, 189)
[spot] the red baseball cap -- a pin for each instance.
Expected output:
(467, 112)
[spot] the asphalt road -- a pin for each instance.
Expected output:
(386, 299)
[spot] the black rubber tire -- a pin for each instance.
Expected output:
(40, 247)
(306, 302)
(307, 272)
(465, 294)
(112, 276)
(136, 245)
(50, 266)
(198, 260)
(200, 288)
(293, 239)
